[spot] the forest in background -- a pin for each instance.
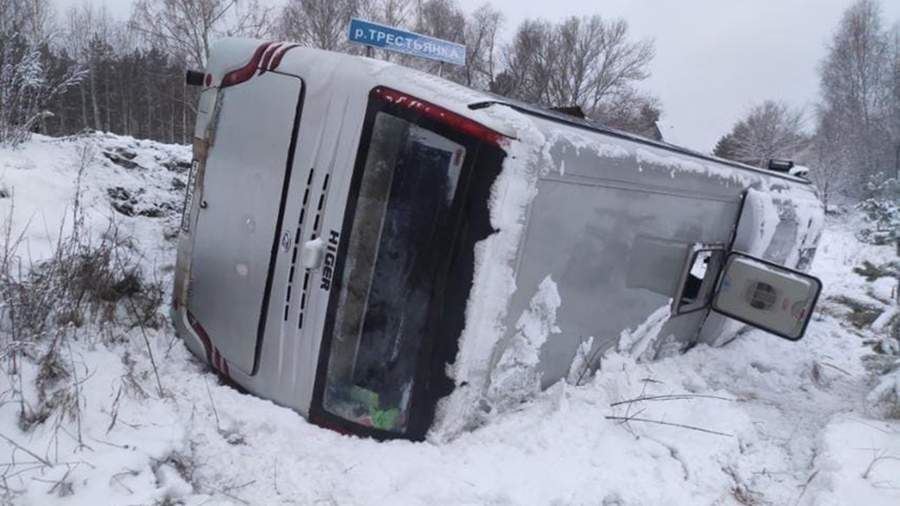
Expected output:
(85, 70)
(64, 73)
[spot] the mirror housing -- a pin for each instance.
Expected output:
(766, 295)
(194, 77)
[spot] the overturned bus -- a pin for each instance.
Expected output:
(389, 253)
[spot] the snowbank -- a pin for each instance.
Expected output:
(759, 421)
(123, 179)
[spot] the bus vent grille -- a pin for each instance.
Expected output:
(297, 235)
(317, 222)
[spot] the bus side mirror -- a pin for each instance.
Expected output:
(766, 295)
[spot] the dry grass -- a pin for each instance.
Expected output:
(87, 282)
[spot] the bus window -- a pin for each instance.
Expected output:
(405, 199)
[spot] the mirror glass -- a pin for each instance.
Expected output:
(765, 295)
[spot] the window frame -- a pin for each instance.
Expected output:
(429, 379)
(709, 283)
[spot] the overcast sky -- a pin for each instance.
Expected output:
(714, 58)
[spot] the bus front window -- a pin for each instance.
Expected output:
(404, 201)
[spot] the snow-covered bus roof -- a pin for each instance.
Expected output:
(597, 127)
(340, 68)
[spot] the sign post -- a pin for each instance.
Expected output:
(374, 35)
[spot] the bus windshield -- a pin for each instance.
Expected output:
(405, 196)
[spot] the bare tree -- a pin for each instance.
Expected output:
(320, 23)
(39, 20)
(770, 130)
(188, 27)
(443, 19)
(588, 62)
(894, 122)
(631, 110)
(596, 61)
(388, 12)
(858, 78)
(482, 46)
(528, 62)
(582, 61)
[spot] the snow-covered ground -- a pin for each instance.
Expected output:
(758, 421)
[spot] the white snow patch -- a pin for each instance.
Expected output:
(581, 365)
(859, 463)
(884, 289)
(42, 175)
(515, 378)
(678, 164)
(643, 342)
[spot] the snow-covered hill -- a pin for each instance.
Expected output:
(758, 421)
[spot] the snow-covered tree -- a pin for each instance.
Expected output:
(25, 84)
(882, 210)
(859, 92)
(823, 156)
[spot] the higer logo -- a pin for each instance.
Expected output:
(334, 239)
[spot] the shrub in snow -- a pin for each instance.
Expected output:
(873, 272)
(44, 305)
(882, 211)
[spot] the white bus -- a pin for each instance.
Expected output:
(390, 253)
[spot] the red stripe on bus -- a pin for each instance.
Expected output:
(246, 72)
(267, 57)
(442, 115)
(276, 60)
(204, 337)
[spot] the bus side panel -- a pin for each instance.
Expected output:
(597, 241)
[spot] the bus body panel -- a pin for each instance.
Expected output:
(240, 210)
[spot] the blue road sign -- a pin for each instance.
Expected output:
(402, 41)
